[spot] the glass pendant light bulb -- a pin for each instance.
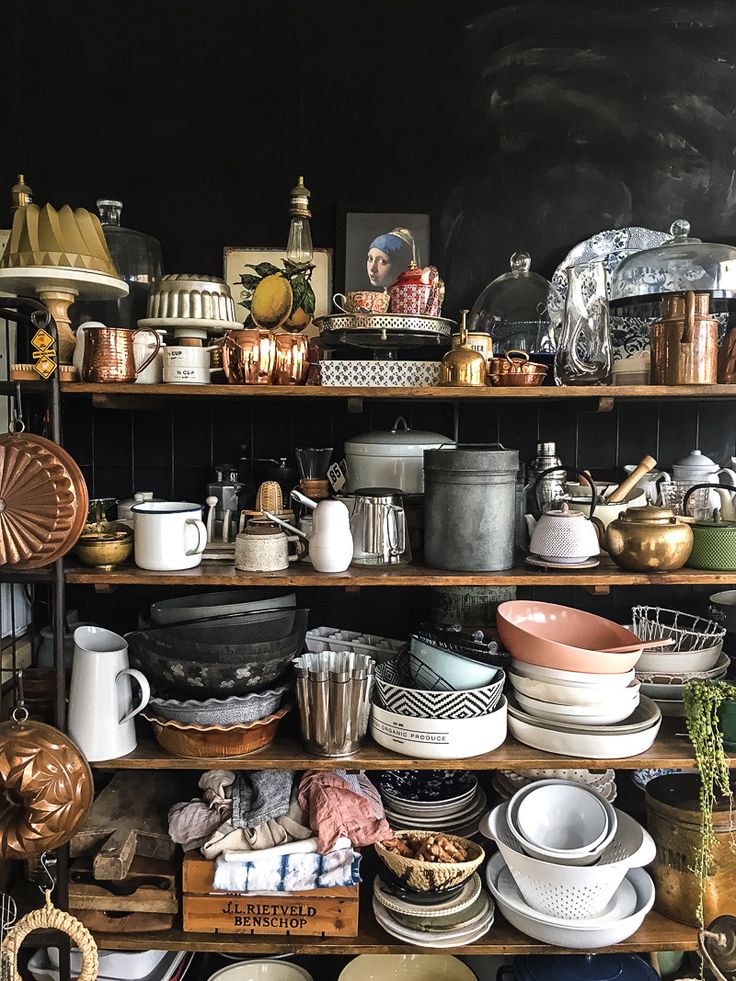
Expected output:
(299, 248)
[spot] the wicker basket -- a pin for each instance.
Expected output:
(429, 876)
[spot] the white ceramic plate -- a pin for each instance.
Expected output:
(598, 715)
(672, 663)
(456, 938)
(211, 326)
(582, 695)
(556, 676)
(644, 715)
(663, 678)
(470, 892)
(439, 739)
(406, 967)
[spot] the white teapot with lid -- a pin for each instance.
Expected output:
(697, 468)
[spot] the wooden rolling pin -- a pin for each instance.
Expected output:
(641, 470)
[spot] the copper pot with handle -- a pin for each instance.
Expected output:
(109, 355)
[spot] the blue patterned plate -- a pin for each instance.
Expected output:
(427, 786)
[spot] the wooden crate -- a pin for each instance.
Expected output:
(312, 913)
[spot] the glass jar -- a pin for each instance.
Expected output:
(138, 260)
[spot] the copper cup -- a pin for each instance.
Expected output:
(249, 357)
(292, 359)
(109, 354)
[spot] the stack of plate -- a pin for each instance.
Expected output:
(697, 654)
(451, 918)
(507, 782)
(433, 800)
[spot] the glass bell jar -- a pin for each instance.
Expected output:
(513, 310)
(137, 258)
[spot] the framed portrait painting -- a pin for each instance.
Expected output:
(248, 261)
(378, 247)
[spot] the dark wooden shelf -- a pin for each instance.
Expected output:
(303, 574)
(671, 749)
(319, 391)
(656, 933)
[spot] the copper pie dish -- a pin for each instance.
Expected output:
(515, 369)
(221, 741)
(43, 501)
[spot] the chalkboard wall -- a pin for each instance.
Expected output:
(526, 125)
(521, 125)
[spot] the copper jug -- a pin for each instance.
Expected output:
(109, 354)
(685, 342)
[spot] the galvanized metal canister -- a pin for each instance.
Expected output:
(673, 819)
(469, 507)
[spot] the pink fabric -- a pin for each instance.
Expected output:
(335, 811)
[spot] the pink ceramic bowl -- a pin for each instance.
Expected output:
(555, 636)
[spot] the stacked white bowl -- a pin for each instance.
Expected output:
(696, 654)
(568, 868)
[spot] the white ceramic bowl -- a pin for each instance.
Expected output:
(574, 678)
(576, 934)
(594, 715)
(406, 967)
(671, 663)
(582, 695)
(439, 739)
(562, 817)
(540, 734)
(261, 970)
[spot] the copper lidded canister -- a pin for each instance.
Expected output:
(685, 341)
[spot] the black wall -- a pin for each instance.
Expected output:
(516, 125)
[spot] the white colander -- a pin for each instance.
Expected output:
(571, 892)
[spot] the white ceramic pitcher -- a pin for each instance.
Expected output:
(101, 709)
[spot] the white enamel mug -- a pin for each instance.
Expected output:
(168, 535)
(101, 711)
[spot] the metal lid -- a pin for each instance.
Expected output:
(398, 441)
(697, 460)
(679, 265)
(492, 458)
(579, 967)
(715, 522)
(648, 512)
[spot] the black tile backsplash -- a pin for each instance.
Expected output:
(173, 450)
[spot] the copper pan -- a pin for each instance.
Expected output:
(515, 369)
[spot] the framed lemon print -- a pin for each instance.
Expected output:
(269, 293)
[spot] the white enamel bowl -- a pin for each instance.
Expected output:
(561, 817)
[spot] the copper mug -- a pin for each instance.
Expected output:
(109, 355)
(249, 356)
(292, 359)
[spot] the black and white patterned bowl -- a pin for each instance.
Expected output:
(395, 693)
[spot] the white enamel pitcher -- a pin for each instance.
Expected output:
(101, 713)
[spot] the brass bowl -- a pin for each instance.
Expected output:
(105, 549)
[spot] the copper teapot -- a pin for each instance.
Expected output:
(109, 355)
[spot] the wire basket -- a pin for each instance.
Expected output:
(689, 632)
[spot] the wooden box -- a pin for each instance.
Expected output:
(312, 913)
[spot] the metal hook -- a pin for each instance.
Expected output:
(52, 881)
(41, 318)
(16, 424)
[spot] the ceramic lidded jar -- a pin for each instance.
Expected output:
(649, 539)
(700, 469)
(417, 292)
(564, 536)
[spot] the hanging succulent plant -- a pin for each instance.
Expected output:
(703, 701)
(277, 297)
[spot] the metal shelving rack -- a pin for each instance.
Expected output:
(30, 314)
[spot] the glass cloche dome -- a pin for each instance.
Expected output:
(513, 309)
(679, 265)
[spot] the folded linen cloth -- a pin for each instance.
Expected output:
(289, 873)
(335, 810)
(261, 796)
(310, 846)
(191, 824)
(291, 826)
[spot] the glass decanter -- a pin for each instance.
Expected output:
(583, 355)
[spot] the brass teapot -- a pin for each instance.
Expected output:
(649, 539)
(462, 367)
